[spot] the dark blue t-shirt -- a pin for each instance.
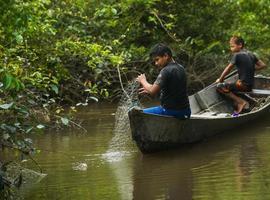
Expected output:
(245, 63)
(173, 87)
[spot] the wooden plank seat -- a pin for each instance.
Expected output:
(256, 92)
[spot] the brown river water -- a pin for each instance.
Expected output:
(104, 163)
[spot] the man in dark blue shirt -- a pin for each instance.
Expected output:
(246, 64)
(171, 83)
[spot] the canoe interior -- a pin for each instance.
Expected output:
(208, 102)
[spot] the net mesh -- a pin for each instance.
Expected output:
(121, 139)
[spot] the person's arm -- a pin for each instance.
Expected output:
(224, 73)
(147, 88)
(260, 65)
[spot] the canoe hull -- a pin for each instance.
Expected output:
(155, 132)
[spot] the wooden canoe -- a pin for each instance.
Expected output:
(211, 114)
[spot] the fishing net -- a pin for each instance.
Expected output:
(121, 139)
(128, 100)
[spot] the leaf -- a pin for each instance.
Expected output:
(54, 88)
(32, 102)
(19, 38)
(28, 130)
(28, 141)
(18, 84)
(93, 98)
(6, 106)
(6, 136)
(23, 111)
(114, 11)
(8, 128)
(58, 110)
(7, 81)
(65, 121)
(40, 126)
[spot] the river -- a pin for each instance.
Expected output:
(105, 164)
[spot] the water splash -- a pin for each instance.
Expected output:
(122, 140)
(115, 156)
(120, 148)
(121, 126)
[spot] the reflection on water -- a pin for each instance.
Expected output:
(94, 165)
(226, 167)
(120, 150)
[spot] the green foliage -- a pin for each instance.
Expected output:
(70, 51)
(49, 44)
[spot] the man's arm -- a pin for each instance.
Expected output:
(260, 65)
(224, 73)
(147, 88)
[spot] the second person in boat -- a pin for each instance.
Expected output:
(246, 63)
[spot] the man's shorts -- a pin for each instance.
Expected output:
(237, 86)
(158, 110)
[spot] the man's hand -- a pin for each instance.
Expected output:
(225, 72)
(141, 78)
(147, 88)
(143, 91)
(260, 65)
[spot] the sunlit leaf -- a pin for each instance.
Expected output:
(65, 121)
(54, 88)
(40, 126)
(114, 11)
(19, 38)
(58, 110)
(93, 98)
(6, 106)
(28, 130)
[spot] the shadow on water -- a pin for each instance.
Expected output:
(231, 165)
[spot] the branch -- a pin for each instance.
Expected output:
(25, 152)
(163, 26)
(76, 124)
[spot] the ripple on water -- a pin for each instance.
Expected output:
(115, 156)
(79, 166)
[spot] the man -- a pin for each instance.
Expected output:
(246, 64)
(171, 84)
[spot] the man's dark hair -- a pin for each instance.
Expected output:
(238, 40)
(160, 50)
